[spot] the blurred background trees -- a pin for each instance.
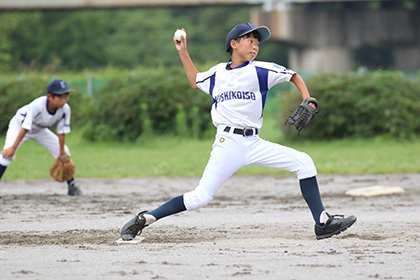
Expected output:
(138, 83)
(59, 40)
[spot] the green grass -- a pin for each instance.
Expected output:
(364, 156)
(173, 156)
(185, 157)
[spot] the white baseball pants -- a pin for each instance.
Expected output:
(45, 137)
(232, 151)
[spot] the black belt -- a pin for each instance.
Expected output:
(242, 131)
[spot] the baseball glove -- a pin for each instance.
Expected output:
(63, 169)
(303, 114)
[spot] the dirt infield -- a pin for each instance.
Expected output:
(256, 227)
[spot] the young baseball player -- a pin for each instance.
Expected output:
(32, 122)
(239, 89)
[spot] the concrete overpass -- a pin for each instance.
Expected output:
(320, 39)
(325, 39)
(83, 4)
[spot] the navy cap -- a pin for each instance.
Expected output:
(245, 28)
(58, 87)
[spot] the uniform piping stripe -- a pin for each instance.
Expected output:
(263, 82)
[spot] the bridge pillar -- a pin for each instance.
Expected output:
(407, 58)
(324, 40)
(327, 59)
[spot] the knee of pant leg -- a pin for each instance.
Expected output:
(196, 199)
(307, 167)
(4, 161)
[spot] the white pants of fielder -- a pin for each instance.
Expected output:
(232, 151)
(45, 137)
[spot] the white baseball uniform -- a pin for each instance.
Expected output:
(239, 97)
(36, 118)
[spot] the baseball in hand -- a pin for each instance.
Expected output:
(178, 34)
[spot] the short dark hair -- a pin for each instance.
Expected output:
(255, 33)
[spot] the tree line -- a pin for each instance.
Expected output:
(72, 40)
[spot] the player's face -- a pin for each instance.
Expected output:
(58, 101)
(248, 48)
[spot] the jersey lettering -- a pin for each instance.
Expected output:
(230, 95)
(243, 107)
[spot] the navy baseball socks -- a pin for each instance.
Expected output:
(2, 169)
(310, 192)
(326, 225)
(142, 219)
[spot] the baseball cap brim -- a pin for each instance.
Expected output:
(62, 91)
(245, 28)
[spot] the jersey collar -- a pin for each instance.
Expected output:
(240, 66)
(51, 113)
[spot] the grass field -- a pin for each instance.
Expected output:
(185, 157)
(175, 156)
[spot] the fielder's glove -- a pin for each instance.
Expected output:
(303, 114)
(63, 169)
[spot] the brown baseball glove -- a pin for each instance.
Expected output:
(63, 169)
(304, 114)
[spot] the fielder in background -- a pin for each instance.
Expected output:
(239, 89)
(32, 121)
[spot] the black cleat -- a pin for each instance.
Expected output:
(334, 225)
(74, 190)
(133, 227)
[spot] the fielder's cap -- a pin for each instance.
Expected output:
(245, 28)
(58, 87)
